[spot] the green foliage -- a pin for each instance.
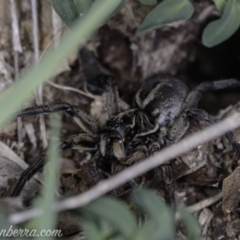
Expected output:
(169, 11)
(220, 5)
(160, 221)
(108, 218)
(48, 218)
(71, 10)
(97, 3)
(190, 223)
(166, 12)
(109, 214)
(219, 30)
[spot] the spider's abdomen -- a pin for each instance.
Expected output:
(162, 97)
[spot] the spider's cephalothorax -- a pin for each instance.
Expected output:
(162, 97)
(162, 109)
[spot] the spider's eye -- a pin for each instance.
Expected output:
(112, 124)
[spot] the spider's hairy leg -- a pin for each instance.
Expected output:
(178, 128)
(27, 174)
(93, 167)
(190, 105)
(83, 142)
(85, 121)
(107, 86)
(169, 192)
(112, 98)
(201, 115)
(181, 125)
(137, 155)
(167, 176)
(196, 93)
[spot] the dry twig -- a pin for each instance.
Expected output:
(36, 41)
(17, 47)
(36, 55)
(205, 203)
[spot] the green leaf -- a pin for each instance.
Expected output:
(148, 2)
(220, 5)
(48, 218)
(71, 10)
(95, 6)
(190, 223)
(92, 230)
(82, 6)
(114, 212)
(161, 221)
(98, 3)
(101, 231)
(67, 11)
(166, 12)
(218, 31)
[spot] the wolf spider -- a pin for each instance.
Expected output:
(163, 107)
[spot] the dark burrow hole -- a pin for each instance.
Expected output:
(220, 62)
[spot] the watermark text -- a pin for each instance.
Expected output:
(24, 232)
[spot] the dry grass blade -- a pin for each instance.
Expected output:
(8, 153)
(205, 203)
